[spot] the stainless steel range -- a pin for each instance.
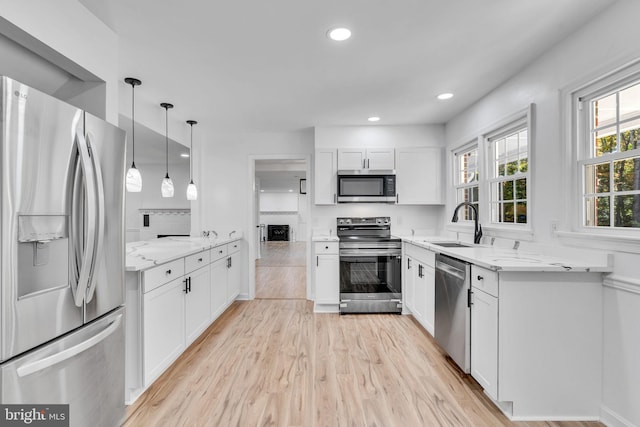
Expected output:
(370, 266)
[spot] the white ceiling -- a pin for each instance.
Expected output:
(268, 66)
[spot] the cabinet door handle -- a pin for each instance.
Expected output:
(199, 259)
(220, 251)
(408, 263)
(186, 285)
(480, 277)
(364, 163)
(469, 297)
(168, 272)
(397, 197)
(335, 198)
(317, 261)
(368, 163)
(189, 284)
(326, 247)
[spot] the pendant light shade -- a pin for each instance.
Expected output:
(134, 178)
(167, 184)
(192, 190)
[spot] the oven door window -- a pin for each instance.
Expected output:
(370, 274)
(362, 186)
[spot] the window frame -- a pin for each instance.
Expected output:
(580, 102)
(519, 120)
(467, 148)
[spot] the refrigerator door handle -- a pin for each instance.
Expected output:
(54, 359)
(86, 263)
(97, 249)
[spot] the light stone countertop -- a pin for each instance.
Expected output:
(146, 254)
(505, 259)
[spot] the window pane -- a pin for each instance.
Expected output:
(597, 211)
(512, 146)
(500, 150)
(627, 210)
(507, 190)
(507, 212)
(629, 135)
(626, 174)
(500, 167)
(630, 102)
(472, 166)
(521, 212)
(521, 188)
(604, 111)
(605, 141)
(474, 194)
(597, 178)
(524, 163)
(512, 167)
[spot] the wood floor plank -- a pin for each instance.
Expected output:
(276, 363)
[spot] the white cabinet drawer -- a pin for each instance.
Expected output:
(484, 279)
(162, 274)
(233, 247)
(424, 256)
(218, 252)
(196, 261)
(329, 248)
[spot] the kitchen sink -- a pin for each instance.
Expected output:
(452, 244)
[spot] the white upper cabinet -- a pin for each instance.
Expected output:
(366, 158)
(419, 179)
(325, 184)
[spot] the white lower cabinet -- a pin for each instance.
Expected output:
(197, 304)
(218, 287)
(234, 274)
(536, 341)
(326, 276)
(163, 328)
(484, 341)
(419, 285)
(169, 306)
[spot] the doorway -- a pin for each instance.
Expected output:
(280, 212)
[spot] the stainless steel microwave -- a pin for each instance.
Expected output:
(364, 186)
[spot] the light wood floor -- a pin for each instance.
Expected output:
(276, 363)
(281, 271)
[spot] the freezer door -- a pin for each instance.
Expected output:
(84, 369)
(106, 286)
(38, 152)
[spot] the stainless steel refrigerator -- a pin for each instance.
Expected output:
(62, 257)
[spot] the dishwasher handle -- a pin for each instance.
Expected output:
(450, 270)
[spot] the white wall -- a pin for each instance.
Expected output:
(600, 46)
(425, 220)
(66, 34)
(224, 181)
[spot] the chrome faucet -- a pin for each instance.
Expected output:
(215, 235)
(232, 232)
(477, 228)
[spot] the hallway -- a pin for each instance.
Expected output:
(281, 273)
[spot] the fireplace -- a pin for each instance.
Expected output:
(278, 233)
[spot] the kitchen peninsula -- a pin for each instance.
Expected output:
(175, 288)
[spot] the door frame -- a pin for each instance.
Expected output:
(253, 228)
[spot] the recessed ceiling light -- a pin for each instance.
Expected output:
(374, 119)
(185, 155)
(445, 96)
(290, 191)
(262, 191)
(339, 34)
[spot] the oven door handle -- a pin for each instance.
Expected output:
(369, 252)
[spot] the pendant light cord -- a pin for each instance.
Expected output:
(191, 156)
(133, 121)
(166, 133)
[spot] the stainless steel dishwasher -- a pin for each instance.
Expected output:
(453, 315)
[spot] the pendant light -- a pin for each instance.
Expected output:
(134, 179)
(192, 190)
(167, 184)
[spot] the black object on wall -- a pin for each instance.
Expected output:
(278, 233)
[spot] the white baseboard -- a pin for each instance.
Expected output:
(611, 419)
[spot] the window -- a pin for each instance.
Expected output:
(609, 163)
(466, 180)
(509, 167)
